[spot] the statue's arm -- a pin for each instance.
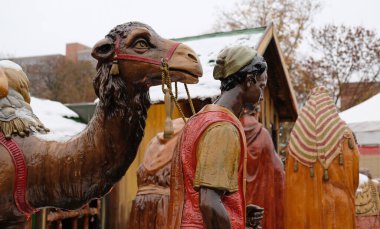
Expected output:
(213, 212)
(218, 157)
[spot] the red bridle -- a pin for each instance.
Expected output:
(122, 56)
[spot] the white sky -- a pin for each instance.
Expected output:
(39, 27)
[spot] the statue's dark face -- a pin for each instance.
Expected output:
(254, 86)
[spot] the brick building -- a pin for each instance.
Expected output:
(78, 52)
(43, 71)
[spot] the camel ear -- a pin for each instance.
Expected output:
(103, 50)
(3, 84)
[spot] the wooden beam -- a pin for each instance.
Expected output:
(285, 69)
(61, 215)
(265, 39)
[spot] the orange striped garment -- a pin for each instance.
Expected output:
(318, 131)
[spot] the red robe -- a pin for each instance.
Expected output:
(184, 211)
(265, 174)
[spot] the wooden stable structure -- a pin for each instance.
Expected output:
(279, 105)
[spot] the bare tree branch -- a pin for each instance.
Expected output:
(348, 54)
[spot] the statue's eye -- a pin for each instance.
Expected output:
(141, 44)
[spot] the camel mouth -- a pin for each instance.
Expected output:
(184, 76)
(176, 75)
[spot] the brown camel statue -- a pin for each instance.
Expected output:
(69, 174)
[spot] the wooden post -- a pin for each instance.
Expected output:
(74, 223)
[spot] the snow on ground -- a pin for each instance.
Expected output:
(362, 179)
(52, 114)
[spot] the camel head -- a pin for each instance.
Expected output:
(138, 50)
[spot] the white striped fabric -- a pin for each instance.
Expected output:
(318, 131)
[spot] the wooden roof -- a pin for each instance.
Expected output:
(279, 82)
(264, 40)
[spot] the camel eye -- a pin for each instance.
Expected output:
(141, 44)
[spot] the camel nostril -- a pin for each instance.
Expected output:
(191, 56)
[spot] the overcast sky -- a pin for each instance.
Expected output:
(39, 27)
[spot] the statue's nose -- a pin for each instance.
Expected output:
(192, 57)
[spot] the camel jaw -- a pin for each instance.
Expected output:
(184, 76)
(175, 76)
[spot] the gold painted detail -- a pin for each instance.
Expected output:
(17, 117)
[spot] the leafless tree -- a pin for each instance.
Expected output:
(57, 79)
(291, 18)
(344, 54)
(75, 82)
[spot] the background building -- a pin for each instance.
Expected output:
(364, 120)
(65, 78)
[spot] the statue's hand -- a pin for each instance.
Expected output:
(254, 216)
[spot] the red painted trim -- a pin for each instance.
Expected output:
(171, 51)
(137, 58)
(117, 45)
(21, 173)
(122, 56)
(369, 150)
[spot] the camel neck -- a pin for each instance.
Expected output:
(93, 161)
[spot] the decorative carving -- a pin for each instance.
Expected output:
(367, 202)
(16, 115)
(318, 137)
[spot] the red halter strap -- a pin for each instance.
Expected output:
(21, 173)
(121, 56)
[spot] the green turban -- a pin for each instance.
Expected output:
(232, 59)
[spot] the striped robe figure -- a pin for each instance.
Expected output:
(321, 168)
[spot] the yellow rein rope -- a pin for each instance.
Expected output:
(166, 80)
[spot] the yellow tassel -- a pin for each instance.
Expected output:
(168, 128)
(341, 161)
(295, 166)
(350, 143)
(311, 171)
(326, 175)
(115, 68)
